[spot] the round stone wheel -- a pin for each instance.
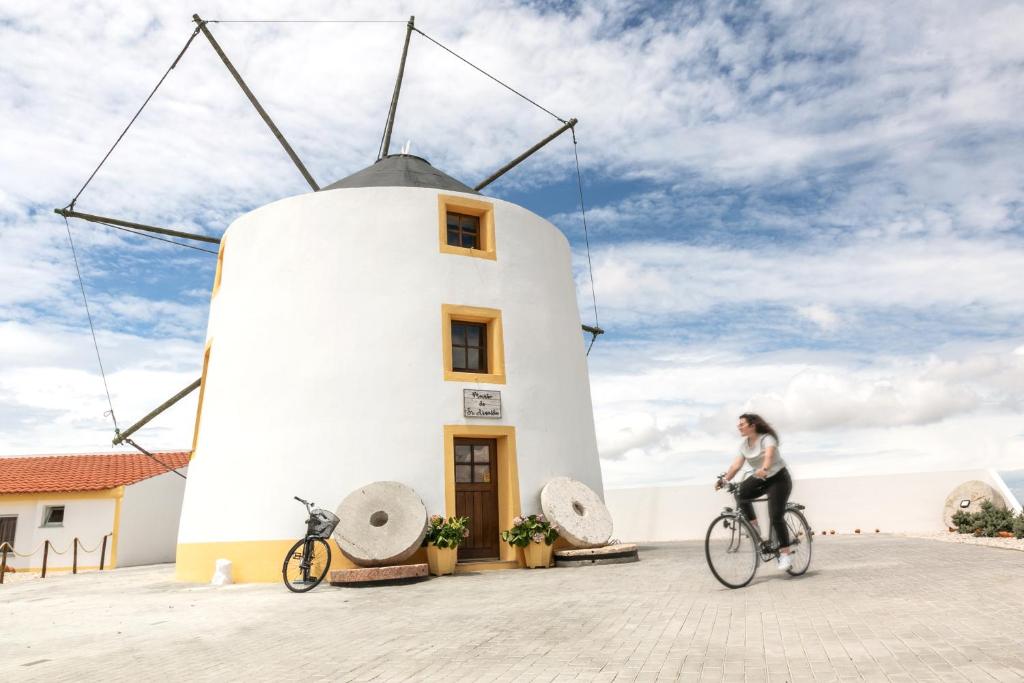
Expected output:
(381, 524)
(968, 497)
(577, 512)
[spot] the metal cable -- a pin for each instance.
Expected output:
(154, 237)
(307, 21)
(586, 237)
(142, 450)
(92, 328)
(501, 83)
(71, 204)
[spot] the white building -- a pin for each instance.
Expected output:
(346, 328)
(131, 499)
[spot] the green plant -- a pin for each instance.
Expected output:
(988, 521)
(1018, 525)
(447, 533)
(531, 529)
(964, 521)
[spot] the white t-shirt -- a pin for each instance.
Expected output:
(754, 455)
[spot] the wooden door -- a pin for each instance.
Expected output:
(476, 496)
(8, 525)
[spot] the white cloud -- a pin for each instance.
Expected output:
(821, 315)
(673, 418)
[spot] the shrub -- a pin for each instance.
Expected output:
(1018, 525)
(988, 521)
(526, 530)
(447, 533)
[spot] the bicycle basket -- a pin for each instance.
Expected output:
(323, 523)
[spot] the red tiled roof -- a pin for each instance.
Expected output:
(82, 472)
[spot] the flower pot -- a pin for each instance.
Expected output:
(441, 561)
(537, 555)
(1005, 534)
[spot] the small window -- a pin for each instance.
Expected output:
(463, 231)
(54, 515)
(471, 344)
(466, 227)
(469, 347)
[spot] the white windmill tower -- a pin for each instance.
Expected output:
(395, 325)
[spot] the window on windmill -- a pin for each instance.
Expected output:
(53, 515)
(469, 347)
(463, 230)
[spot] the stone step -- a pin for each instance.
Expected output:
(610, 554)
(363, 575)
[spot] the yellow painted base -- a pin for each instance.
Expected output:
(441, 560)
(537, 555)
(252, 561)
(485, 566)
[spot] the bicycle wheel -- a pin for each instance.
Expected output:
(800, 542)
(306, 564)
(731, 551)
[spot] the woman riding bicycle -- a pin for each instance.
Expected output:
(760, 449)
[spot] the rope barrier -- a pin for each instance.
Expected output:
(16, 553)
(493, 78)
(10, 548)
(53, 549)
(98, 544)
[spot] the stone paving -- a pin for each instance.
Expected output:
(871, 608)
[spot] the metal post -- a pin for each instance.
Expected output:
(259, 108)
(3, 565)
(46, 554)
(103, 553)
(67, 213)
(121, 436)
(386, 144)
(519, 159)
(74, 561)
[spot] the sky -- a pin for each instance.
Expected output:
(813, 211)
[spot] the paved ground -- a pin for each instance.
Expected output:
(874, 608)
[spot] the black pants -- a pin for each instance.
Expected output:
(778, 487)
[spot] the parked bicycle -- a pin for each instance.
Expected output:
(734, 548)
(306, 564)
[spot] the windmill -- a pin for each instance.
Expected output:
(409, 328)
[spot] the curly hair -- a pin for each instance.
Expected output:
(760, 425)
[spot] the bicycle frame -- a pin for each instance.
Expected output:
(768, 550)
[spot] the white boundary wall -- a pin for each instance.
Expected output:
(149, 520)
(891, 503)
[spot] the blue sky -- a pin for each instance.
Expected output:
(812, 210)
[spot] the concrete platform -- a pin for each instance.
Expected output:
(872, 608)
(363, 575)
(620, 553)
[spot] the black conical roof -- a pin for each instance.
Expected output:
(401, 170)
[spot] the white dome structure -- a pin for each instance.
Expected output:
(348, 331)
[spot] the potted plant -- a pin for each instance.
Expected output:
(443, 539)
(534, 535)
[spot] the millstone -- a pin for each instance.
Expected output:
(347, 577)
(609, 554)
(381, 524)
(968, 497)
(577, 512)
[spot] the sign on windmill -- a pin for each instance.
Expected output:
(477, 403)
